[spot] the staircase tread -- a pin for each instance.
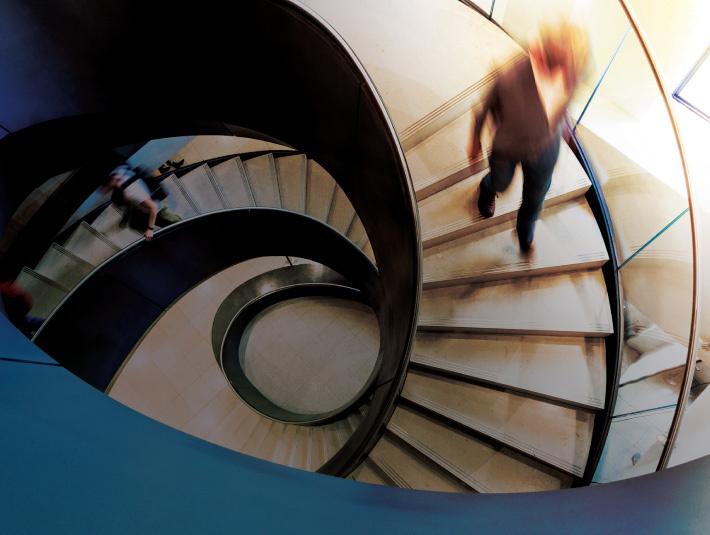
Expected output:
(46, 293)
(285, 446)
(178, 199)
(262, 179)
(366, 474)
(566, 238)
(453, 213)
(63, 266)
(299, 454)
(319, 191)
(107, 224)
(231, 177)
(407, 471)
(479, 465)
(291, 171)
(552, 433)
(90, 245)
(341, 211)
(567, 369)
(574, 303)
(443, 159)
(202, 190)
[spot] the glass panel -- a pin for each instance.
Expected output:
(627, 132)
(657, 287)
(693, 439)
(634, 445)
(604, 21)
(678, 32)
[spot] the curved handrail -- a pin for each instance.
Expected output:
(690, 359)
(614, 343)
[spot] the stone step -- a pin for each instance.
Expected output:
(368, 472)
(251, 423)
(316, 448)
(257, 437)
(341, 213)
(566, 304)
(234, 184)
(331, 441)
(567, 238)
(230, 432)
(46, 294)
(63, 267)
(567, 369)
(291, 171)
(301, 447)
(554, 434)
(90, 245)
(285, 446)
(179, 200)
(263, 442)
(319, 192)
(108, 224)
(203, 189)
(261, 172)
(406, 470)
(453, 212)
(443, 159)
(479, 465)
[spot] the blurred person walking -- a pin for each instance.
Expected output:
(527, 104)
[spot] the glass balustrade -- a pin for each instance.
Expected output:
(621, 117)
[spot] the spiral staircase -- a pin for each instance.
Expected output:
(506, 387)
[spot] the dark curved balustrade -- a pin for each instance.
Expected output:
(79, 110)
(94, 329)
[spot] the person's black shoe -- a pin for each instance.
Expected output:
(486, 201)
(176, 165)
(164, 168)
(526, 249)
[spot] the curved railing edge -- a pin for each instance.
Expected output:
(600, 210)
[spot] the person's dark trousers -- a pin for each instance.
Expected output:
(536, 181)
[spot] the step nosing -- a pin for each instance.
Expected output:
(567, 263)
(499, 436)
(383, 465)
(438, 459)
(502, 211)
(503, 380)
(524, 326)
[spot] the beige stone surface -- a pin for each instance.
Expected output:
(550, 432)
(567, 238)
(563, 304)
(482, 466)
(453, 212)
(569, 369)
(262, 179)
(406, 469)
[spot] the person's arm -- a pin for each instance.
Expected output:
(153, 207)
(475, 149)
